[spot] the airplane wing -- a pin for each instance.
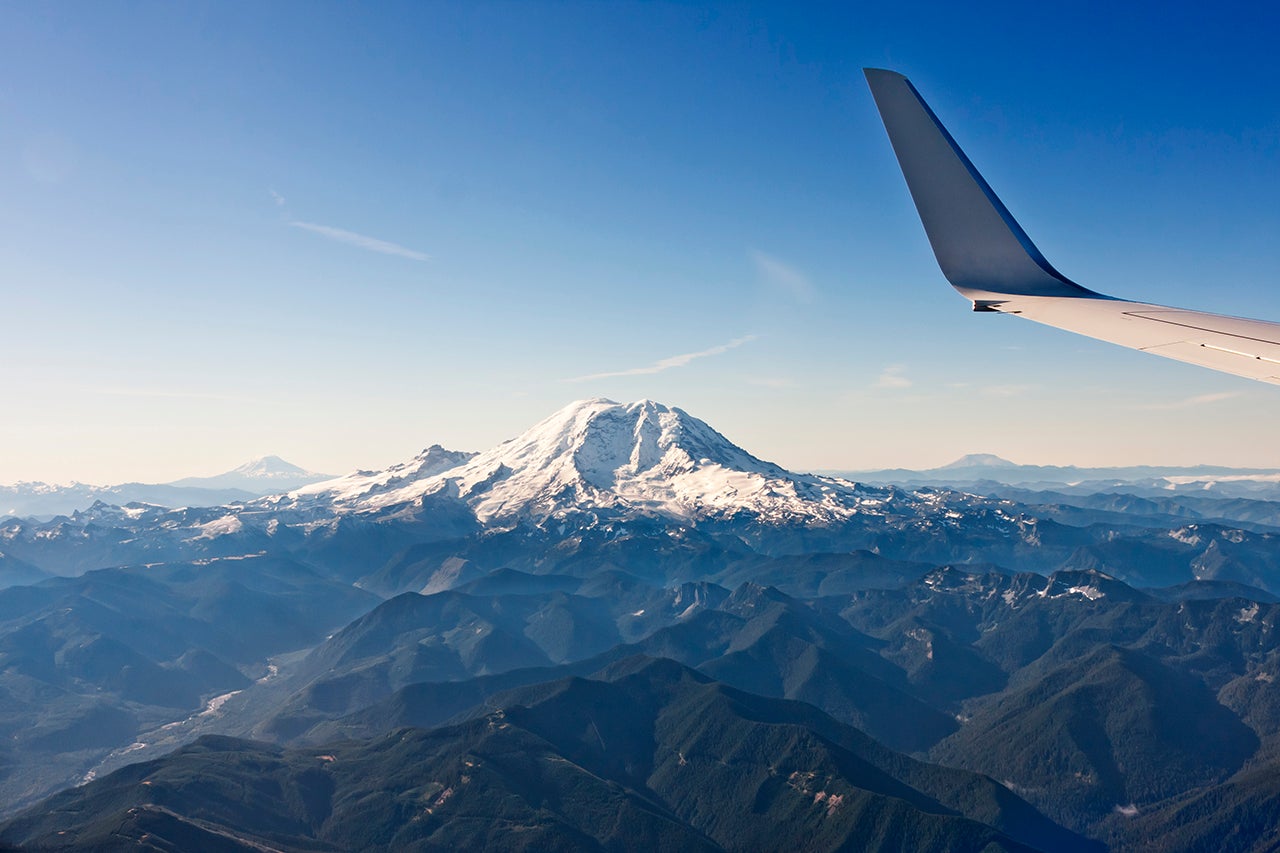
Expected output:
(990, 260)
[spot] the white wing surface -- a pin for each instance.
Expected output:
(987, 256)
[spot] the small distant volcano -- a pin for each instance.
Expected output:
(978, 460)
(261, 476)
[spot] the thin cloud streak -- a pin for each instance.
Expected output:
(771, 381)
(161, 393)
(892, 377)
(1191, 402)
(669, 363)
(1006, 390)
(373, 244)
(783, 276)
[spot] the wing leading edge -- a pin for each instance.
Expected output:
(990, 260)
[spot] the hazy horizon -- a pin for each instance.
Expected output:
(194, 474)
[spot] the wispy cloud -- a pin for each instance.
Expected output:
(277, 198)
(1191, 402)
(669, 363)
(771, 381)
(166, 394)
(373, 244)
(783, 276)
(892, 377)
(1005, 390)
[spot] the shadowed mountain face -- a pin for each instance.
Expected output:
(1102, 733)
(89, 665)
(1237, 816)
(653, 754)
(15, 572)
(1003, 638)
(397, 666)
(1111, 701)
(1083, 694)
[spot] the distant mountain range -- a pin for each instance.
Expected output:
(258, 477)
(646, 455)
(603, 475)
(619, 629)
(982, 469)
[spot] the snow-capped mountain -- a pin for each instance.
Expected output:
(600, 455)
(261, 476)
(369, 489)
(978, 460)
(642, 488)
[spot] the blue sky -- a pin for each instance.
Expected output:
(342, 233)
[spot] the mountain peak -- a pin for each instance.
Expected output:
(269, 467)
(597, 454)
(263, 475)
(614, 449)
(372, 487)
(979, 460)
(437, 459)
(605, 442)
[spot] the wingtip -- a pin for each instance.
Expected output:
(979, 246)
(873, 74)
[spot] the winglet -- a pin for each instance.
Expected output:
(981, 249)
